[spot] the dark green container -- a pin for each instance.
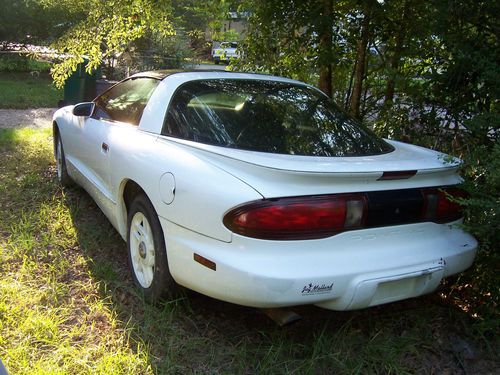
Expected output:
(81, 86)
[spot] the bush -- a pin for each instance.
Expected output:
(477, 143)
(16, 62)
(482, 181)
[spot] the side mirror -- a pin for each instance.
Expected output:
(83, 109)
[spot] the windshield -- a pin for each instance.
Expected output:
(267, 116)
(229, 45)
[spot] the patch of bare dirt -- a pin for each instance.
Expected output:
(35, 117)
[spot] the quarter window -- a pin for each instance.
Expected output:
(126, 101)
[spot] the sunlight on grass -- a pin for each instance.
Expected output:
(52, 317)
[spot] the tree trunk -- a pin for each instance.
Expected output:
(359, 75)
(349, 89)
(395, 58)
(325, 79)
(325, 46)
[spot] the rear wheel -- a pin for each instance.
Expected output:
(62, 173)
(147, 252)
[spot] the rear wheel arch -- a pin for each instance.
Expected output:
(129, 189)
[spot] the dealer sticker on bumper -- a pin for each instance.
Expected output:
(313, 289)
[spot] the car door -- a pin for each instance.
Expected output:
(117, 110)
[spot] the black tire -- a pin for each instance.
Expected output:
(147, 252)
(62, 173)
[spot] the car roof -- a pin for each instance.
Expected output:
(159, 74)
(164, 73)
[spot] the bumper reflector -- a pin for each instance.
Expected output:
(205, 262)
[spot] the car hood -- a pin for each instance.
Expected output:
(276, 174)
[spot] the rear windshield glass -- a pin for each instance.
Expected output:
(266, 116)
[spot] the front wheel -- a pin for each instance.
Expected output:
(62, 173)
(147, 252)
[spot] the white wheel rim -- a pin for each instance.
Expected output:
(142, 249)
(59, 159)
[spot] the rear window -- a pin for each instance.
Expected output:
(267, 116)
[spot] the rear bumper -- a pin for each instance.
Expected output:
(221, 59)
(352, 270)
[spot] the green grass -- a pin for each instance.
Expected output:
(23, 90)
(68, 306)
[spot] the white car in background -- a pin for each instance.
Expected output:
(225, 52)
(259, 191)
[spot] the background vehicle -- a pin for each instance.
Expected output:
(225, 52)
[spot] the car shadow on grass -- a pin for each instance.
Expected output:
(198, 334)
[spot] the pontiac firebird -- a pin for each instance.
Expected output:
(259, 191)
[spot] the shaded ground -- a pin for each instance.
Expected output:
(35, 117)
(426, 335)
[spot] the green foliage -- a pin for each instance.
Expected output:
(12, 62)
(482, 171)
(154, 52)
(211, 15)
(282, 39)
(109, 29)
(37, 21)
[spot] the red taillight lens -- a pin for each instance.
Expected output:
(298, 217)
(439, 205)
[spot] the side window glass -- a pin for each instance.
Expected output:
(176, 120)
(126, 101)
(200, 118)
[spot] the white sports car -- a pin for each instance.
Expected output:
(259, 191)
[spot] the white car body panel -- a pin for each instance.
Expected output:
(192, 186)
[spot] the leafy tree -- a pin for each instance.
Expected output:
(216, 13)
(205, 19)
(35, 21)
(290, 38)
(109, 29)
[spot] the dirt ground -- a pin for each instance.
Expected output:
(37, 117)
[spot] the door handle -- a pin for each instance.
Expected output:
(105, 147)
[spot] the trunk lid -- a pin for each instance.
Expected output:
(275, 175)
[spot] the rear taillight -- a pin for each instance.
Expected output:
(320, 216)
(298, 218)
(440, 204)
